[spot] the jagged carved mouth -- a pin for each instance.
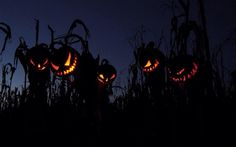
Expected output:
(68, 67)
(183, 77)
(149, 67)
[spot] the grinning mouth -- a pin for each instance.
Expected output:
(71, 68)
(188, 76)
(149, 67)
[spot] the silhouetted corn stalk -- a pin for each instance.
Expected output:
(179, 41)
(135, 83)
(9, 69)
(7, 95)
(7, 30)
(218, 71)
(20, 54)
(81, 23)
(5, 88)
(59, 87)
(209, 71)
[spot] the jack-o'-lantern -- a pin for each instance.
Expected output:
(38, 57)
(64, 60)
(182, 68)
(106, 73)
(151, 58)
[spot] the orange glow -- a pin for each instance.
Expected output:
(72, 68)
(101, 76)
(40, 67)
(105, 80)
(68, 71)
(55, 66)
(149, 67)
(69, 68)
(148, 64)
(68, 60)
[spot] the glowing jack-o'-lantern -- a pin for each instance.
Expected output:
(183, 68)
(106, 73)
(151, 58)
(64, 60)
(39, 57)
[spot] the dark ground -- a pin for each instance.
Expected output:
(140, 124)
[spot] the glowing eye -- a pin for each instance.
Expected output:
(55, 66)
(181, 71)
(101, 76)
(156, 63)
(68, 60)
(148, 64)
(113, 76)
(32, 62)
(45, 62)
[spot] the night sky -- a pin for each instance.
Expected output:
(111, 23)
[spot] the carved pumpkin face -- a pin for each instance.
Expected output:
(151, 58)
(183, 68)
(106, 73)
(39, 57)
(64, 60)
(151, 65)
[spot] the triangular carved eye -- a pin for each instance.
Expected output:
(149, 67)
(45, 62)
(148, 64)
(32, 62)
(68, 60)
(101, 76)
(55, 67)
(113, 76)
